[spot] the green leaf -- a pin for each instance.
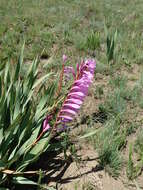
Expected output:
(23, 181)
(42, 80)
(89, 134)
(105, 29)
(39, 146)
(2, 66)
(9, 134)
(25, 147)
(2, 165)
(28, 98)
(1, 135)
(0, 86)
(40, 114)
(15, 122)
(34, 153)
(6, 74)
(19, 64)
(24, 132)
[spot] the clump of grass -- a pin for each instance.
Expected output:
(134, 169)
(79, 41)
(130, 165)
(111, 40)
(93, 40)
(137, 92)
(139, 144)
(89, 42)
(132, 128)
(115, 105)
(99, 91)
(117, 98)
(102, 68)
(118, 81)
(108, 143)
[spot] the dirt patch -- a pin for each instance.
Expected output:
(88, 174)
(132, 74)
(83, 173)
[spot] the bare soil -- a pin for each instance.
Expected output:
(87, 173)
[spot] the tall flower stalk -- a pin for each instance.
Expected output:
(83, 77)
(79, 90)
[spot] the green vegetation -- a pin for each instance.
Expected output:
(115, 113)
(74, 27)
(108, 143)
(109, 31)
(25, 102)
(21, 117)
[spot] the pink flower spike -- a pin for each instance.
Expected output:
(78, 92)
(64, 58)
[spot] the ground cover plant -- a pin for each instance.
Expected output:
(111, 118)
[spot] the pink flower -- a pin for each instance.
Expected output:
(83, 77)
(78, 91)
(64, 58)
(46, 125)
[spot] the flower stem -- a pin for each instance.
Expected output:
(61, 80)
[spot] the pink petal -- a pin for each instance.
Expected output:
(46, 126)
(78, 88)
(80, 81)
(77, 94)
(72, 106)
(65, 117)
(73, 96)
(75, 88)
(68, 111)
(64, 58)
(73, 100)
